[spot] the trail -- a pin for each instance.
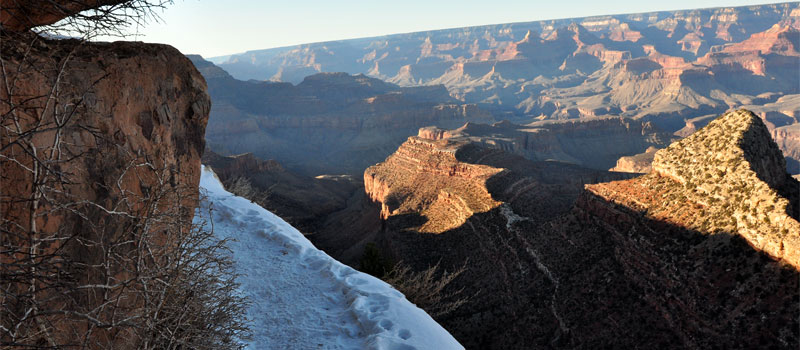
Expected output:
(301, 297)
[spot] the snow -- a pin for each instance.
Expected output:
(301, 297)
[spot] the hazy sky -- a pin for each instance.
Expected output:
(221, 27)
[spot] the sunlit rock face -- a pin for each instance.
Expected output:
(697, 270)
(717, 207)
(459, 201)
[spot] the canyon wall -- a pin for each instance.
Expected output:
(665, 68)
(659, 66)
(457, 202)
(645, 262)
(329, 123)
(595, 143)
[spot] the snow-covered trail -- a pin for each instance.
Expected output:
(304, 299)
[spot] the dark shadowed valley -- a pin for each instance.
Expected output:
(500, 160)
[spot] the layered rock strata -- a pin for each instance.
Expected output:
(594, 143)
(662, 67)
(644, 262)
(332, 123)
(639, 163)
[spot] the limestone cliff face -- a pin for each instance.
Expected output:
(407, 183)
(139, 103)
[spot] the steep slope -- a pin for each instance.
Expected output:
(457, 202)
(331, 210)
(710, 236)
(301, 297)
(302, 201)
(734, 161)
(645, 262)
(332, 123)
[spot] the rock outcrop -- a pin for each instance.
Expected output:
(100, 148)
(698, 269)
(734, 161)
(158, 121)
(639, 163)
(426, 178)
(717, 207)
(19, 16)
(455, 201)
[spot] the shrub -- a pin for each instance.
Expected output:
(426, 288)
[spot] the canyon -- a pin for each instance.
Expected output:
(665, 68)
(330, 123)
(704, 246)
(616, 181)
(694, 226)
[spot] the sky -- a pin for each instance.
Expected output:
(222, 27)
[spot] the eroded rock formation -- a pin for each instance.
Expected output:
(551, 265)
(332, 123)
(459, 201)
(595, 143)
(639, 163)
(661, 67)
(710, 236)
(735, 174)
